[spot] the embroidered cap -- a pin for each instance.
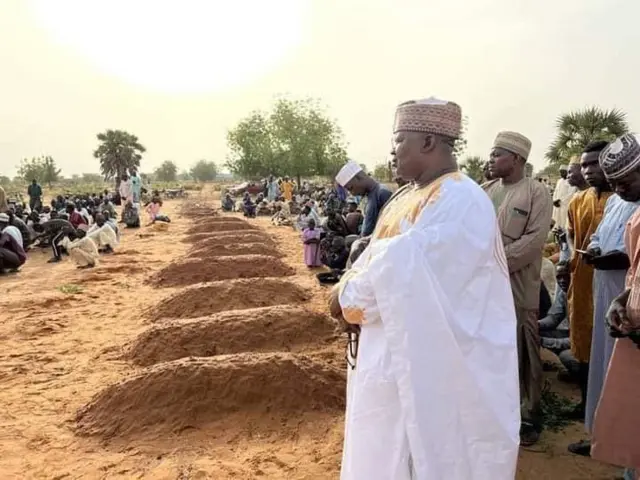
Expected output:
(621, 156)
(430, 115)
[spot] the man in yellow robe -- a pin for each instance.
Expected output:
(434, 392)
(287, 189)
(585, 213)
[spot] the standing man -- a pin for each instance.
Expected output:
(429, 314)
(358, 183)
(561, 198)
(126, 189)
(35, 195)
(136, 186)
(617, 420)
(585, 213)
(272, 189)
(287, 189)
(608, 257)
(524, 209)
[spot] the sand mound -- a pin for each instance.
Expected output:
(227, 295)
(188, 393)
(231, 236)
(269, 329)
(228, 238)
(233, 249)
(219, 268)
(207, 227)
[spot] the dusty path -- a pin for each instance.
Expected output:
(97, 379)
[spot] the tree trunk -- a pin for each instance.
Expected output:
(299, 182)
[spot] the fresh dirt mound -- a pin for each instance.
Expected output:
(233, 249)
(189, 393)
(232, 236)
(220, 268)
(269, 329)
(227, 295)
(206, 227)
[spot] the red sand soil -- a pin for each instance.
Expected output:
(216, 250)
(231, 238)
(207, 227)
(189, 393)
(59, 349)
(270, 329)
(217, 297)
(224, 238)
(219, 268)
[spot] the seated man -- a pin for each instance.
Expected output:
(103, 235)
(16, 220)
(130, 215)
(83, 250)
(337, 256)
(6, 227)
(12, 255)
(354, 218)
(228, 205)
(108, 206)
(263, 209)
(336, 224)
(248, 207)
(280, 218)
(554, 328)
(75, 217)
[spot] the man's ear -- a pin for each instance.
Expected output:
(429, 144)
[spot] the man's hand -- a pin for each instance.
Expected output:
(616, 317)
(556, 203)
(334, 303)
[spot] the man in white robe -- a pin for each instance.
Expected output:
(102, 234)
(561, 197)
(434, 394)
(83, 251)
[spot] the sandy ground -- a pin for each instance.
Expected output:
(132, 371)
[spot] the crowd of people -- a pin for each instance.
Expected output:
(445, 294)
(80, 226)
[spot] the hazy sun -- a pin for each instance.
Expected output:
(178, 45)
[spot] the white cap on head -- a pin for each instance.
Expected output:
(347, 172)
(4, 217)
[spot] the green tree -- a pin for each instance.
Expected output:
(4, 180)
(204, 171)
(167, 172)
(295, 139)
(50, 171)
(382, 172)
(118, 152)
(474, 168)
(43, 169)
(575, 130)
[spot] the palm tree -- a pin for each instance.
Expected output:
(119, 151)
(474, 168)
(577, 129)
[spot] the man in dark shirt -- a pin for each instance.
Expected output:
(35, 195)
(55, 230)
(376, 195)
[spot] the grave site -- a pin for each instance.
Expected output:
(201, 352)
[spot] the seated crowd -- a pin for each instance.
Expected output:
(81, 226)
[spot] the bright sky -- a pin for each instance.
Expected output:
(179, 73)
